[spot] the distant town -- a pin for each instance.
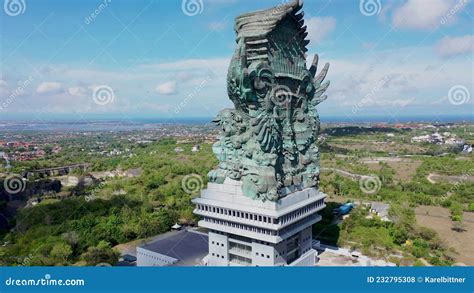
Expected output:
(29, 146)
(407, 187)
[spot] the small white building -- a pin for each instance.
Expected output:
(380, 209)
(421, 138)
(196, 148)
(467, 149)
(454, 141)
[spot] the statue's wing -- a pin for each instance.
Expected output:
(318, 81)
(275, 29)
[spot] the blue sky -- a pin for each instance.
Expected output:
(152, 58)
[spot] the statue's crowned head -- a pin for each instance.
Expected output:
(269, 139)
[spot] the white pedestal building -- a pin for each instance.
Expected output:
(250, 232)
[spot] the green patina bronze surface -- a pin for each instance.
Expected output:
(269, 141)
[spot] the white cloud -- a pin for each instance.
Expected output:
(167, 88)
(190, 64)
(319, 28)
(426, 15)
(217, 25)
(138, 88)
(77, 91)
(3, 87)
(414, 77)
(449, 47)
(49, 87)
(396, 82)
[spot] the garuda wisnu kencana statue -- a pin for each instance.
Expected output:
(269, 141)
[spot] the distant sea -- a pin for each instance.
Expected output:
(154, 123)
(398, 119)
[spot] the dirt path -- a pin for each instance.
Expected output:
(344, 173)
(435, 178)
(383, 159)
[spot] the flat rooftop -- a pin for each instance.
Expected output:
(187, 246)
(329, 258)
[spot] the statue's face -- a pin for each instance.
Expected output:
(227, 123)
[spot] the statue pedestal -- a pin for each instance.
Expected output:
(243, 231)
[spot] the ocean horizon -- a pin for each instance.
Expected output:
(145, 123)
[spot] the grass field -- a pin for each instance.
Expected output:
(438, 219)
(404, 169)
